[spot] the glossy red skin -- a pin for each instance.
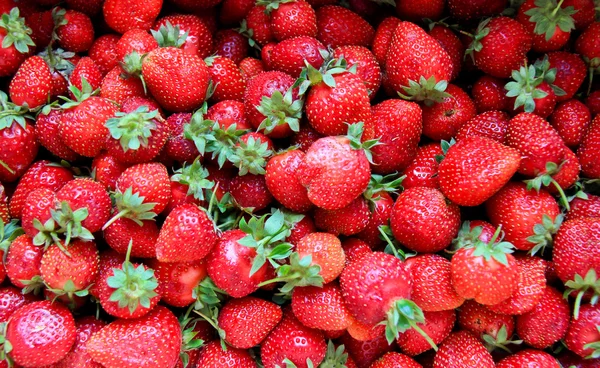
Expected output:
(107, 170)
(490, 124)
(11, 299)
(395, 360)
(452, 44)
(212, 355)
(469, 9)
(18, 149)
(338, 26)
(462, 349)
(571, 120)
(228, 113)
(119, 89)
(77, 35)
(250, 191)
(78, 356)
(321, 308)
(292, 19)
(289, 55)
(23, 260)
(177, 280)
(570, 72)
(442, 120)
(437, 325)
(177, 146)
(365, 353)
(103, 52)
(381, 211)
(260, 23)
(587, 44)
(367, 67)
(81, 267)
(568, 173)
(150, 181)
(575, 249)
(229, 266)
(120, 232)
(138, 40)
(32, 84)
(581, 208)
(301, 229)
(35, 346)
(422, 171)
(38, 205)
(11, 58)
(326, 251)
(231, 44)
(234, 11)
(283, 184)
(588, 151)
(251, 67)
(547, 322)
(540, 44)
(479, 320)
(199, 40)
(583, 331)
(383, 38)
(543, 106)
(349, 220)
(89, 194)
(528, 357)
(47, 134)
(489, 94)
(568, 359)
(125, 15)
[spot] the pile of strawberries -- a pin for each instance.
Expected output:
(299, 183)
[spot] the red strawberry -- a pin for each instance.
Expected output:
(250, 192)
(587, 45)
(78, 356)
(282, 181)
(32, 84)
(18, 145)
(150, 181)
(529, 357)
(452, 44)
(292, 341)
(325, 250)
(103, 54)
(485, 324)
(583, 335)
(366, 352)
(581, 208)
(530, 289)
(437, 326)
(48, 135)
(547, 322)
(398, 126)
(83, 193)
(518, 210)
(23, 261)
(234, 11)
(248, 321)
(227, 78)
(367, 67)
(423, 221)
(138, 40)
(106, 170)
(86, 69)
(338, 26)
(423, 170)
(15, 35)
(37, 214)
(157, 342)
(570, 72)
(198, 39)
(443, 119)
(328, 185)
(475, 168)
(214, 355)
(432, 277)
(321, 308)
(354, 249)
(76, 32)
(470, 9)
(123, 15)
(40, 333)
(347, 221)
(11, 300)
(230, 43)
(294, 18)
(489, 94)
(490, 124)
(290, 54)
(177, 146)
(462, 350)
(588, 151)
(119, 86)
(177, 281)
(250, 67)
(532, 92)
(584, 15)
(415, 11)
(550, 24)
(395, 360)
(571, 120)
(499, 46)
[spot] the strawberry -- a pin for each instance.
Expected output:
(570, 72)
(366, 352)
(83, 193)
(451, 43)
(71, 274)
(533, 90)
(323, 250)
(123, 15)
(250, 192)
(12, 299)
(157, 342)
(78, 356)
(395, 360)
(321, 308)
(293, 342)
(367, 67)
(347, 221)
(150, 181)
(470, 9)
(571, 120)
(354, 249)
(475, 168)
(144, 236)
(187, 235)
(229, 43)
(422, 171)
(32, 84)
(442, 120)
(437, 325)
(491, 327)
(529, 357)
(177, 281)
(486, 272)
(587, 46)
(234, 11)
(75, 31)
(138, 40)
(415, 11)
(489, 56)
(380, 206)
(490, 124)
(227, 78)
(398, 125)
(461, 350)
(528, 219)
(284, 14)
(584, 15)
(40, 333)
(137, 133)
(416, 64)
(177, 147)
(583, 335)
(423, 221)
(338, 26)
(248, 321)
(177, 80)
(588, 151)
(198, 38)
(86, 69)
(549, 23)
(290, 54)
(257, 27)
(432, 277)
(106, 170)
(37, 218)
(48, 135)
(23, 261)
(530, 289)
(489, 94)
(283, 184)
(581, 208)
(250, 67)
(16, 36)
(102, 52)
(18, 142)
(213, 355)
(547, 322)
(327, 186)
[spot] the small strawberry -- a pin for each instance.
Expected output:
(123, 15)
(86, 69)
(491, 327)
(120, 86)
(250, 192)
(338, 26)
(230, 43)
(423, 221)
(12, 299)
(571, 120)
(490, 124)
(157, 342)
(149, 181)
(570, 72)
(106, 170)
(367, 67)
(549, 23)
(321, 308)
(227, 78)
(461, 350)
(290, 54)
(23, 261)
(283, 183)
(196, 38)
(423, 170)
(78, 356)
(102, 52)
(489, 94)
(347, 221)
(442, 120)
(365, 353)
(138, 40)
(32, 84)
(90, 195)
(75, 31)
(250, 67)
(15, 34)
(451, 43)
(48, 135)
(587, 46)
(437, 325)
(37, 218)
(178, 281)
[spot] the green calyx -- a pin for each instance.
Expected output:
(134, 286)
(188, 337)
(271, 5)
(401, 317)
(59, 60)
(501, 341)
(70, 291)
(8, 233)
(595, 346)
(334, 357)
(208, 300)
(391, 183)
(17, 33)
(47, 234)
(392, 247)
(467, 237)
(36, 285)
(266, 234)
(195, 177)
(299, 272)
(11, 113)
(133, 129)
(354, 135)
(280, 109)
(429, 91)
(131, 205)
(311, 76)
(445, 147)
(5, 345)
(494, 250)
(583, 285)
(80, 95)
(289, 364)
(169, 36)
(70, 222)
(544, 232)
(545, 179)
(248, 33)
(482, 31)
(251, 156)
(548, 14)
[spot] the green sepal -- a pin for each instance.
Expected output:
(47, 234)
(524, 87)
(131, 205)
(248, 33)
(207, 295)
(354, 135)
(547, 15)
(280, 109)
(334, 357)
(251, 156)
(544, 232)
(391, 183)
(8, 233)
(392, 247)
(298, 273)
(195, 176)
(430, 91)
(542, 68)
(501, 340)
(482, 31)
(595, 346)
(467, 237)
(80, 95)
(271, 5)
(169, 36)
(445, 145)
(17, 32)
(133, 129)
(5, 345)
(401, 317)
(289, 364)
(311, 76)
(583, 286)
(70, 291)
(11, 113)
(35, 285)
(70, 221)
(545, 179)
(494, 250)
(59, 60)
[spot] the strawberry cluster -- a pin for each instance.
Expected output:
(299, 183)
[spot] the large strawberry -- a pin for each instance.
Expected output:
(338, 26)
(32, 84)
(321, 307)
